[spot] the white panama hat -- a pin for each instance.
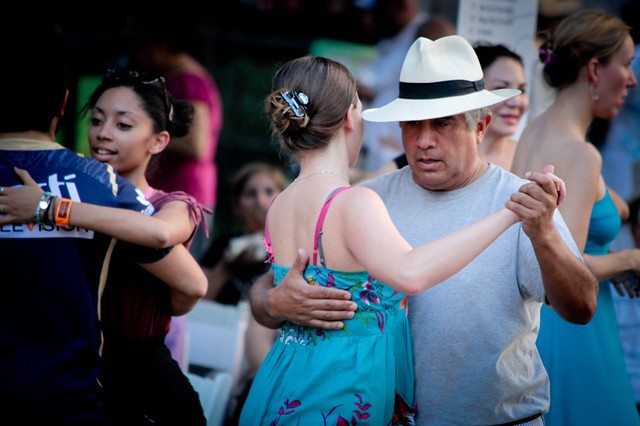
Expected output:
(438, 79)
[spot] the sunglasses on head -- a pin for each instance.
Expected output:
(135, 77)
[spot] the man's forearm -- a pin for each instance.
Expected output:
(259, 301)
(571, 287)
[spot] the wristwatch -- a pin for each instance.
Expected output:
(43, 205)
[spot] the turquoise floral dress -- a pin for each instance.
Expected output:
(361, 374)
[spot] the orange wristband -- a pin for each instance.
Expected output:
(63, 212)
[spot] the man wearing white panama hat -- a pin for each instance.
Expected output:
(473, 335)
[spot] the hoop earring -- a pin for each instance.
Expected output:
(594, 93)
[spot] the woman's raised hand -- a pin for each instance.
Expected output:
(18, 204)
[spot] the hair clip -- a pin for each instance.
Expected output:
(545, 53)
(298, 102)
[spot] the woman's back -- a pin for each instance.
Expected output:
(549, 139)
(299, 207)
(587, 62)
(362, 373)
(377, 336)
(554, 138)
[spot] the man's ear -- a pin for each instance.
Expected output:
(160, 142)
(482, 126)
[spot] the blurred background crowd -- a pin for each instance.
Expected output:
(241, 43)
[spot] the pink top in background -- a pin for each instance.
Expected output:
(196, 177)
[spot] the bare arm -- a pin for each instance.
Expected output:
(180, 271)
(609, 265)
(613, 264)
(372, 238)
(258, 340)
(241, 253)
(570, 286)
(158, 231)
(217, 276)
(622, 206)
(587, 188)
(134, 227)
(296, 301)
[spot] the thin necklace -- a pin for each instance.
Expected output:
(320, 172)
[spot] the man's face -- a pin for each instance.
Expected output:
(442, 152)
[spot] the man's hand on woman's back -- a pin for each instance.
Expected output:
(298, 302)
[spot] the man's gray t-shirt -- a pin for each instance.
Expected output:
(473, 335)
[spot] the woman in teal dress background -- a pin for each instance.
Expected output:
(362, 373)
(596, 360)
(587, 60)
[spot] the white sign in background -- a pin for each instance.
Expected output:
(508, 22)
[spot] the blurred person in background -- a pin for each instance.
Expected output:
(502, 69)
(396, 23)
(587, 60)
(621, 171)
(188, 164)
(236, 258)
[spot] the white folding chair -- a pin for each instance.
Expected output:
(216, 337)
(214, 393)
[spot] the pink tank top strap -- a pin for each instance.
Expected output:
(149, 192)
(317, 238)
(267, 239)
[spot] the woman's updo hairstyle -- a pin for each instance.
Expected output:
(311, 96)
(578, 38)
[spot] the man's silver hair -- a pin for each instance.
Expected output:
(475, 115)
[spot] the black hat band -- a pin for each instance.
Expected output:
(441, 89)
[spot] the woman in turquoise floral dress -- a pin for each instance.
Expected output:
(362, 373)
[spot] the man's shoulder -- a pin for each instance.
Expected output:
(496, 178)
(89, 169)
(383, 182)
(72, 175)
(49, 159)
(499, 177)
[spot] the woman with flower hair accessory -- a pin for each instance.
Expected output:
(363, 373)
(587, 61)
(545, 52)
